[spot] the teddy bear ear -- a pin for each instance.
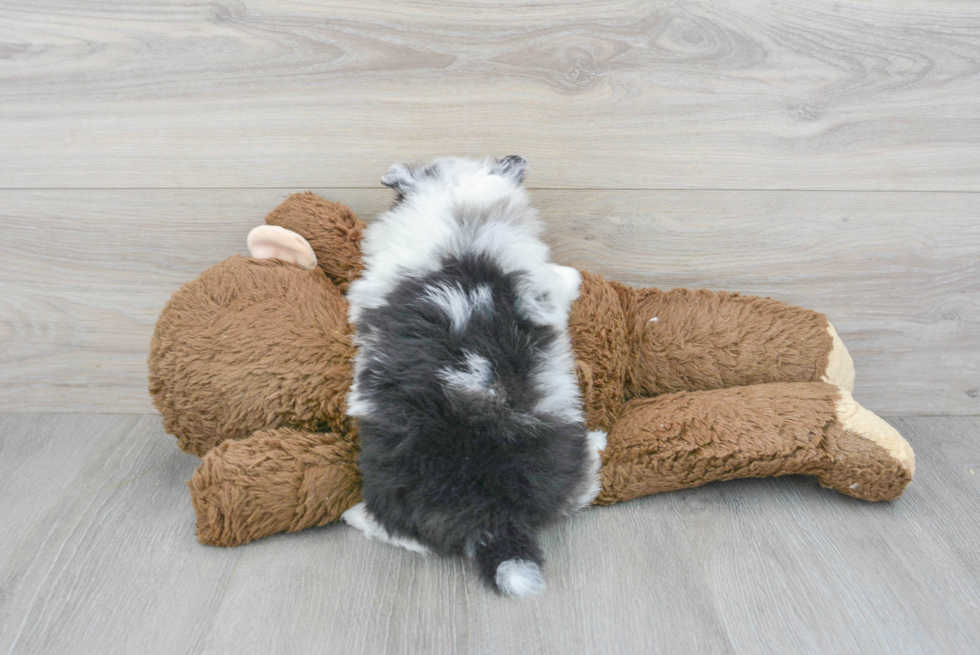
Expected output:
(274, 242)
(399, 177)
(512, 166)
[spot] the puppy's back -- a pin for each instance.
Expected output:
(456, 451)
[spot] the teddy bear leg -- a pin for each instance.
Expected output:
(274, 481)
(687, 439)
(692, 340)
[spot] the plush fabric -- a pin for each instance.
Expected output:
(688, 438)
(249, 345)
(274, 481)
(251, 362)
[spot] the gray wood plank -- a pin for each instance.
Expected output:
(85, 274)
(41, 459)
(752, 566)
(89, 563)
(789, 94)
(835, 566)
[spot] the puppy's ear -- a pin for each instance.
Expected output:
(399, 177)
(512, 166)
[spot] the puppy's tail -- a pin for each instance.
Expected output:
(510, 561)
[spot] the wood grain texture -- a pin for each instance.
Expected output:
(85, 274)
(99, 556)
(794, 94)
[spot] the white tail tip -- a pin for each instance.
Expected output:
(519, 577)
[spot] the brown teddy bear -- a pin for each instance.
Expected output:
(251, 362)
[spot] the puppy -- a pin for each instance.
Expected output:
(471, 425)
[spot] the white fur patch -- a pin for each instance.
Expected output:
(598, 439)
(476, 379)
(572, 281)
(357, 406)
(359, 517)
(554, 378)
(481, 297)
(593, 480)
(519, 577)
(459, 304)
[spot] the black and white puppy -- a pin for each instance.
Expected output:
(470, 418)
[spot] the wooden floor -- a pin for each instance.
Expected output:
(824, 153)
(99, 557)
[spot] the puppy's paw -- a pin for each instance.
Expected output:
(359, 517)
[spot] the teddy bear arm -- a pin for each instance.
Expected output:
(690, 340)
(274, 481)
(687, 439)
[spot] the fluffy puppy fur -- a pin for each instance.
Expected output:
(464, 388)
